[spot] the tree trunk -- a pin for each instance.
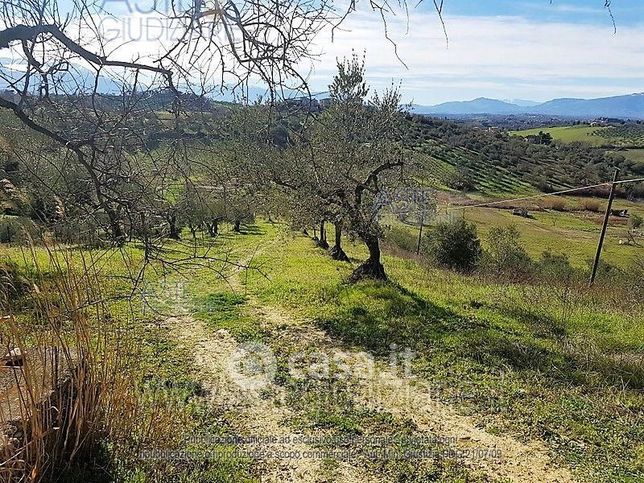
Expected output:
(371, 268)
(118, 234)
(213, 228)
(337, 253)
(237, 226)
(323, 243)
(175, 233)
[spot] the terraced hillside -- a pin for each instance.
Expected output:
(495, 163)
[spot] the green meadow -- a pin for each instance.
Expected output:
(568, 134)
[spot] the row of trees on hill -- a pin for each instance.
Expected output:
(313, 170)
(118, 167)
(546, 164)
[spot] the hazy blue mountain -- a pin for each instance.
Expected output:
(482, 105)
(522, 102)
(629, 106)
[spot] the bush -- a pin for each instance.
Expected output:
(555, 266)
(460, 181)
(454, 244)
(505, 254)
(401, 238)
(17, 230)
(84, 232)
(558, 205)
(591, 205)
(12, 282)
(635, 221)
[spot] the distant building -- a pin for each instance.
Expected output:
(308, 104)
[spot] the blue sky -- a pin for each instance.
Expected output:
(627, 12)
(505, 49)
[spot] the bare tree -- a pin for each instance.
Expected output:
(65, 57)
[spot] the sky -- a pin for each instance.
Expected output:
(504, 49)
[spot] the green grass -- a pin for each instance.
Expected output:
(624, 136)
(163, 369)
(573, 233)
(568, 134)
(540, 362)
(550, 362)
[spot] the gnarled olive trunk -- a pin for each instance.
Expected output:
(175, 232)
(371, 268)
(117, 231)
(322, 243)
(213, 227)
(337, 253)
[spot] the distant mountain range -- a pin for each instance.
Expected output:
(624, 107)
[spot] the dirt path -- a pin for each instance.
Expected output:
(377, 385)
(252, 404)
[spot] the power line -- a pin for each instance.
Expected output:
(542, 195)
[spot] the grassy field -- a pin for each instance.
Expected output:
(581, 133)
(556, 365)
(573, 233)
(624, 136)
(511, 356)
(633, 154)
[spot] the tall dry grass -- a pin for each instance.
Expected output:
(74, 387)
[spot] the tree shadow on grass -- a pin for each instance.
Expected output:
(375, 315)
(541, 325)
(251, 229)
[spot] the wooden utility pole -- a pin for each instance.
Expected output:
(420, 235)
(604, 227)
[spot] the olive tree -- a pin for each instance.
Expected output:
(351, 153)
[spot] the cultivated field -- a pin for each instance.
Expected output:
(582, 133)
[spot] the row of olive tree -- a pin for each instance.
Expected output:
(334, 167)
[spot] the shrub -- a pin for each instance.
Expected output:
(506, 255)
(555, 266)
(18, 230)
(12, 282)
(84, 232)
(558, 204)
(454, 244)
(401, 238)
(460, 181)
(635, 221)
(591, 205)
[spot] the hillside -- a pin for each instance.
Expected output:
(623, 107)
(455, 155)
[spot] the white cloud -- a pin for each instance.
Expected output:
(491, 56)
(502, 57)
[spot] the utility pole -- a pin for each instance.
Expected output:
(604, 227)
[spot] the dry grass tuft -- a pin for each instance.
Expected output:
(72, 381)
